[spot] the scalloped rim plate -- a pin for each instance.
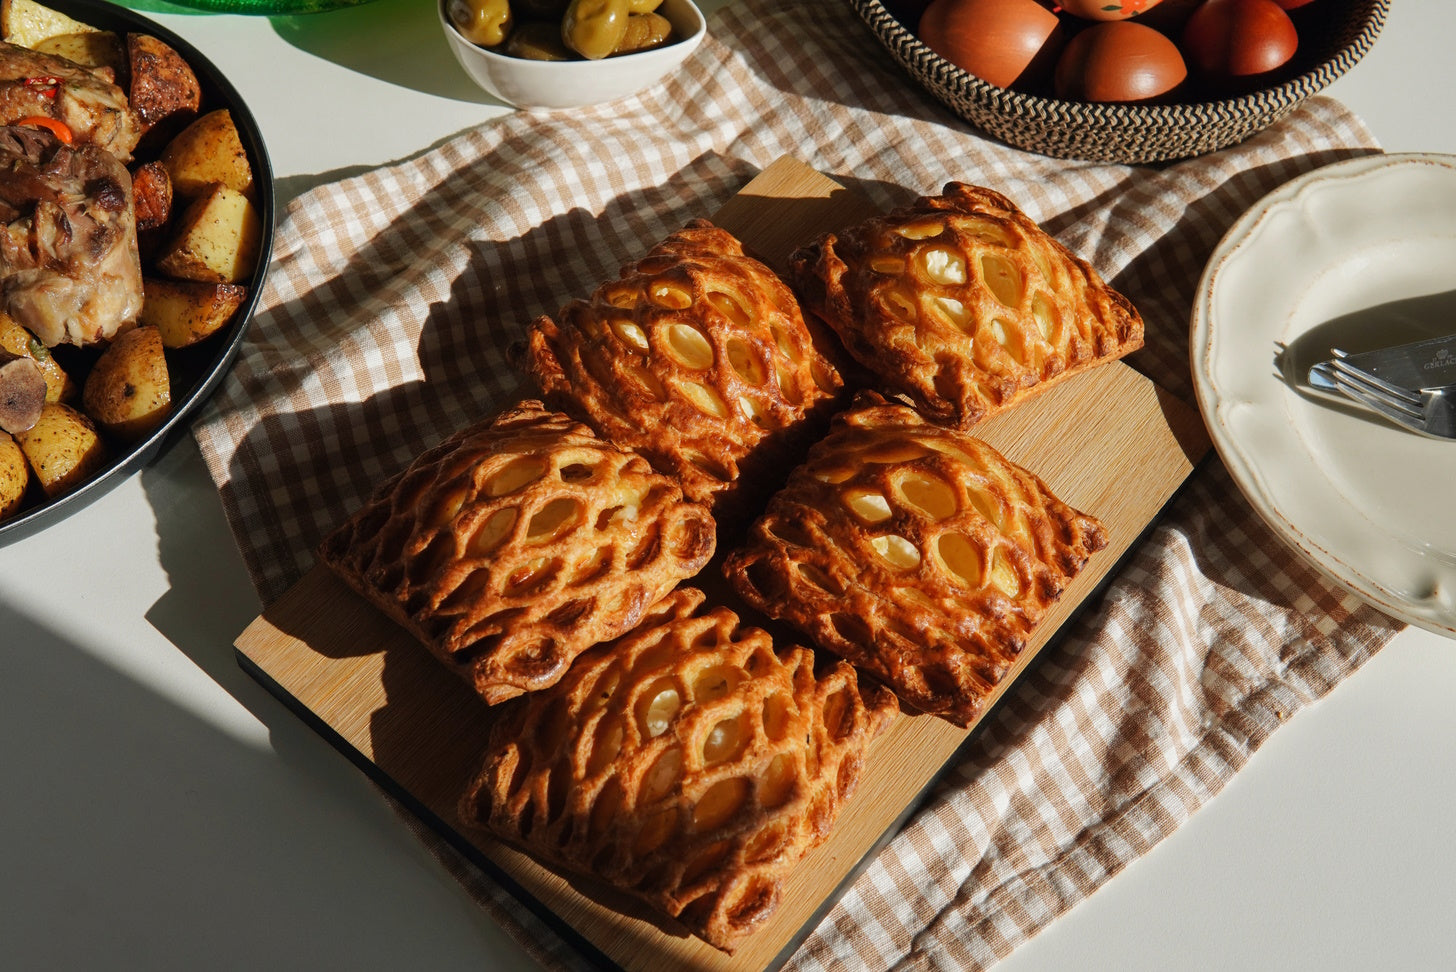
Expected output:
(1357, 254)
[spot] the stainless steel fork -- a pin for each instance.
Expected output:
(1431, 411)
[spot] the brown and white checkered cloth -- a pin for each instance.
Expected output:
(394, 294)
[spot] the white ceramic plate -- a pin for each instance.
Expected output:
(1357, 255)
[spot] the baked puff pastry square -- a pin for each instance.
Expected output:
(517, 544)
(915, 551)
(690, 763)
(963, 304)
(698, 358)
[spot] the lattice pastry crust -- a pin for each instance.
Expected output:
(517, 544)
(688, 763)
(698, 358)
(915, 551)
(962, 303)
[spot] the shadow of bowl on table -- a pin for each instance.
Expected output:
(395, 41)
(398, 42)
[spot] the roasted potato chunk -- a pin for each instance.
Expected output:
(128, 392)
(163, 89)
(14, 477)
(100, 50)
(63, 449)
(22, 392)
(151, 190)
(209, 151)
(217, 239)
(187, 311)
(27, 23)
(199, 234)
(15, 339)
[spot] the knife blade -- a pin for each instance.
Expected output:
(1430, 363)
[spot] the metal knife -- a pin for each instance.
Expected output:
(1423, 364)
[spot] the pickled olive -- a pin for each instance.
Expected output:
(643, 6)
(538, 40)
(483, 22)
(644, 31)
(594, 28)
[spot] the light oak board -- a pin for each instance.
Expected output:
(1107, 441)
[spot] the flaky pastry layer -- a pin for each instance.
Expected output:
(698, 358)
(689, 763)
(915, 551)
(517, 544)
(962, 303)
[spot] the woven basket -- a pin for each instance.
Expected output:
(1133, 134)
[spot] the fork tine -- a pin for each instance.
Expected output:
(1441, 412)
(1373, 380)
(1400, 414)
(1375, 386)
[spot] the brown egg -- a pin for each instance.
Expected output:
(1005, 42)
(1169, 16)
(1119, 60)
(1238, 43)
(1107, 9)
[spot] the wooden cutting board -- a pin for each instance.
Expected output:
(1109, 442)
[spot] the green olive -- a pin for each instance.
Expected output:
(594, 28)
(483, 22)
(644, 32)
(538, 40)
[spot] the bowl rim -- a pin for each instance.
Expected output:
(586, 65)
(221, 93)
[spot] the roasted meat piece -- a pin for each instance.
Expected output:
(40, 85)
(69, 265)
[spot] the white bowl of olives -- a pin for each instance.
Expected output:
(569, 53)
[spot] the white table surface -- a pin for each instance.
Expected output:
(159, 810)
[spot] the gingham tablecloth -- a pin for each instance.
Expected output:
(394, 293)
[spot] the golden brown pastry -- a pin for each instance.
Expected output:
(698, 358)
(915, 551)
(519, 543)
(688, 763)
(962, 303)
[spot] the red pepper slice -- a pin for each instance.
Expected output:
(47, 84)
(59, 129)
